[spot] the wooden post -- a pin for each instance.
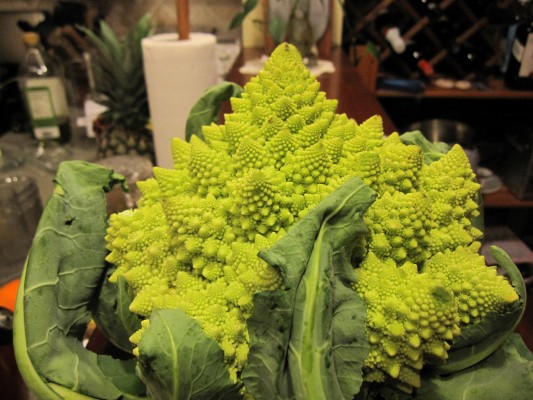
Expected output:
(182, 8)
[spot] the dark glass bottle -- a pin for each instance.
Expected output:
(457, 18)
(389, 23)
(470, 60)
(417, 59)
(427, 8)
(519, 69)
(444, 30)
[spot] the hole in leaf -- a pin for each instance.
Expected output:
(70, 221)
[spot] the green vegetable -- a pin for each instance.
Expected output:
(178, 361)
(205, 110)
(507, 373)
(64, 267)
(317, 321)
(290, 253)
(481, 339)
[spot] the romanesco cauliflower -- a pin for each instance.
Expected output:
(192, 243)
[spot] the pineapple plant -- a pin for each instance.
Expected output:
(119, 85)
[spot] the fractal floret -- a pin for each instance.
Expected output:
(236, 188)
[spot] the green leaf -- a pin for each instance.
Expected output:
(62, 275)
(506, 374)
(112, 314)
(123, 375)
(178, 361)
(277, 28)
(432, 151)
(112, 42)
(479, 341)
(206, 109)
(247, 7)
(308, 340)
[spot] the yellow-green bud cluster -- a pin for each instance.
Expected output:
(451, 185)
(478, 289)
(193, 240)
(410, 320)
(399, 223)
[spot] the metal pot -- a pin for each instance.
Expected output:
(445, 130)
(451, 132)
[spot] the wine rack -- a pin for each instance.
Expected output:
(417, 27)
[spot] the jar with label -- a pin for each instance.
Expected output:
(45, 95)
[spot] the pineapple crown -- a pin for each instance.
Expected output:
(119, 82)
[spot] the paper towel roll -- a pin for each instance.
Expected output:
(177, 73)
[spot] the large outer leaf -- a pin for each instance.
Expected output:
(178, 361)
(62, 275)
(112, 314)
(308, 340)
(506, 374)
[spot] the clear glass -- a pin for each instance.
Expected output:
(10, 157)
(20, 211)
(44, 92)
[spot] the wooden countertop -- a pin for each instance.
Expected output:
(344, 85)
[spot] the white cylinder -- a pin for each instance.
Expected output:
(177, 73)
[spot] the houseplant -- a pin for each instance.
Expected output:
(119, 85)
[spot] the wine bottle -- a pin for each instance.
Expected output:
(427, 8)
(44, 92)
(388, 24)
(519, 69)
(457, 18)
(417, 59)
(470, 60)
(444, 30)
(519, 73)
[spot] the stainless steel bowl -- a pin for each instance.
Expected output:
(451, 132)
(445, 130)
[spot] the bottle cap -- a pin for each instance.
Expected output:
(30, 38)
(426, 67)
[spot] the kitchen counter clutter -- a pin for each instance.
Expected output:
(24, 145)
(133, 167)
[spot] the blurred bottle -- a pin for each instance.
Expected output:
(456, 16)
(388, 23)
(418, 59)
(427, 8)
(444, 30)
(470, 59)
(519, 68)
(44, 92)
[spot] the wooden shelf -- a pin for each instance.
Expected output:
(493, 90)
(505, 199)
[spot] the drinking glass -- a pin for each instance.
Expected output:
(20, 211)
